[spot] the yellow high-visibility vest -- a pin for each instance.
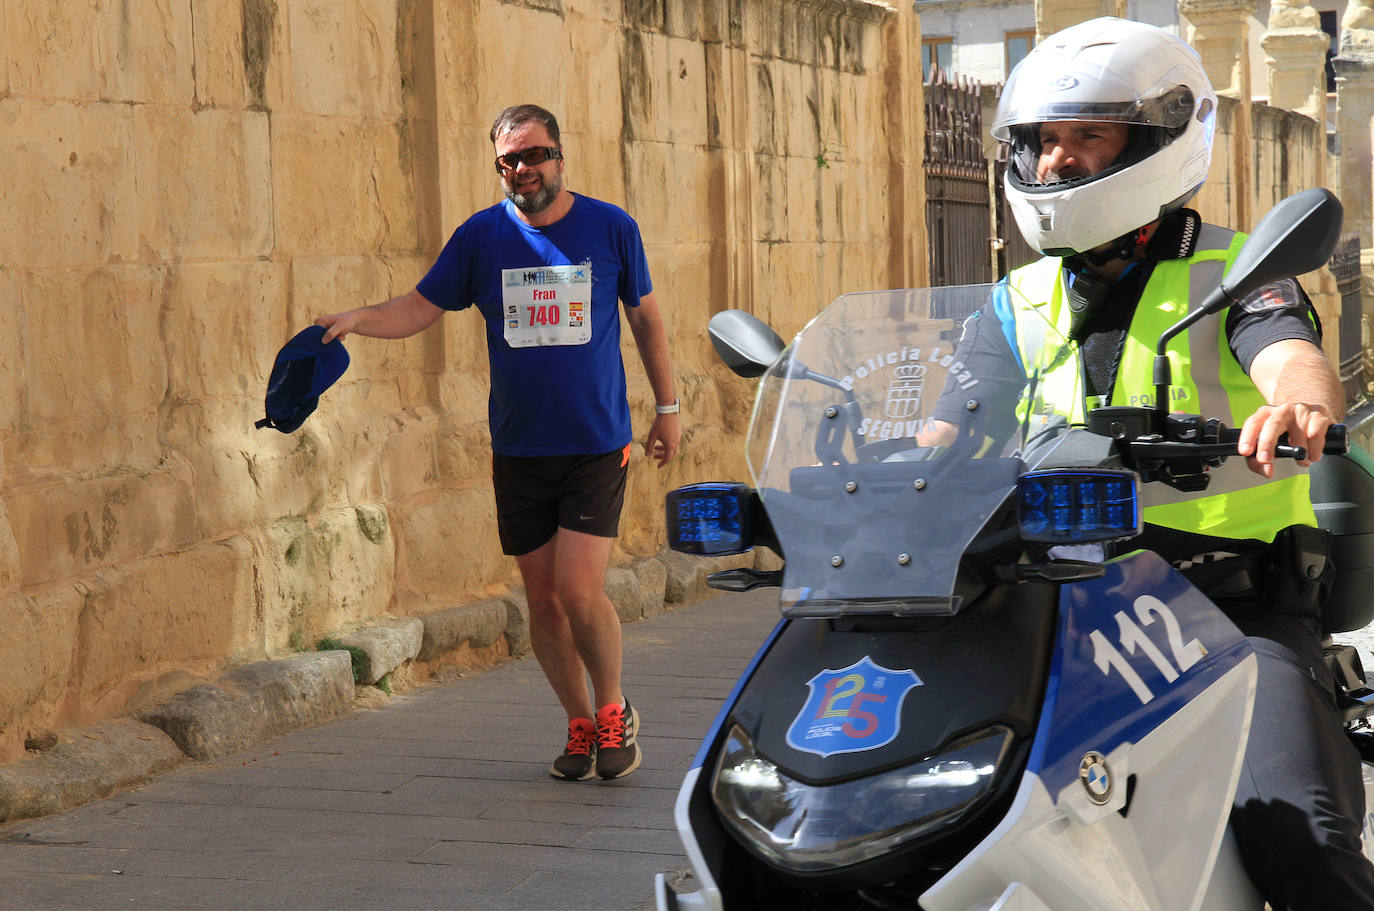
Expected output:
(1207, 380)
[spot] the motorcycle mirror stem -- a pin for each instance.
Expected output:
(1296, 236)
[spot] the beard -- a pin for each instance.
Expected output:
(540, 199)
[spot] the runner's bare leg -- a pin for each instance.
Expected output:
(580, 568)
(574, 629)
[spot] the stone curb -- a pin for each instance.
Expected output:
(265, 699)
(383, 647)
(480, 623)
(85, 765)
(257, 701)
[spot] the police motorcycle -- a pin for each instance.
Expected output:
(964, 706)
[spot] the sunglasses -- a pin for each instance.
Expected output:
(531, 157)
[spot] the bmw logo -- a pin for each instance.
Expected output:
(1096, 777)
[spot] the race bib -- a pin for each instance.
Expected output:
(547, 305)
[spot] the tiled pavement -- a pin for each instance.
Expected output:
(439, 800)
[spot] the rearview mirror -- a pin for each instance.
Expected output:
(744, 342)
(1296, 236)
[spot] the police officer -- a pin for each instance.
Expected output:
(1110, 126)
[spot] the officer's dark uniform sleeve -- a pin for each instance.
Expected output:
(984, 355)
(1278, 311)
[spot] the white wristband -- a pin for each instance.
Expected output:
(667, 409)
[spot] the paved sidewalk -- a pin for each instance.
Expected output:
(439, 800)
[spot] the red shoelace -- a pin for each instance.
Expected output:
(581, 732)
(610, 726)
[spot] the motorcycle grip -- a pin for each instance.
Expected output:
(1337, 442)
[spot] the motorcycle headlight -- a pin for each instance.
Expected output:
(808, 828)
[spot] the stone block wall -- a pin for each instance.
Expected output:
(1258, 160)
(188, 183)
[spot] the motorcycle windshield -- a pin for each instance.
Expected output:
(879, 455)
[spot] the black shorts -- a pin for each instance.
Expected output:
(537, 496)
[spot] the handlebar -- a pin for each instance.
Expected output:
(1337, 442)
(1222, 444)
(1180, 449)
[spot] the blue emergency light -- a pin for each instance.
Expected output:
(709, 520)
(1078, 506)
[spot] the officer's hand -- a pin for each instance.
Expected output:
(1305, 425)
(664, 437)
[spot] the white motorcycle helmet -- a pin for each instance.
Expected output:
(1107, 70)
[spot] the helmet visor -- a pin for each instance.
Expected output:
(1043, 89)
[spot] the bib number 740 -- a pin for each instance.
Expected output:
(1108, 657)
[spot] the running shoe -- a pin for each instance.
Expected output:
(578, 761)
(617, 753)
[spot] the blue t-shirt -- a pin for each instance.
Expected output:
(550, 398)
